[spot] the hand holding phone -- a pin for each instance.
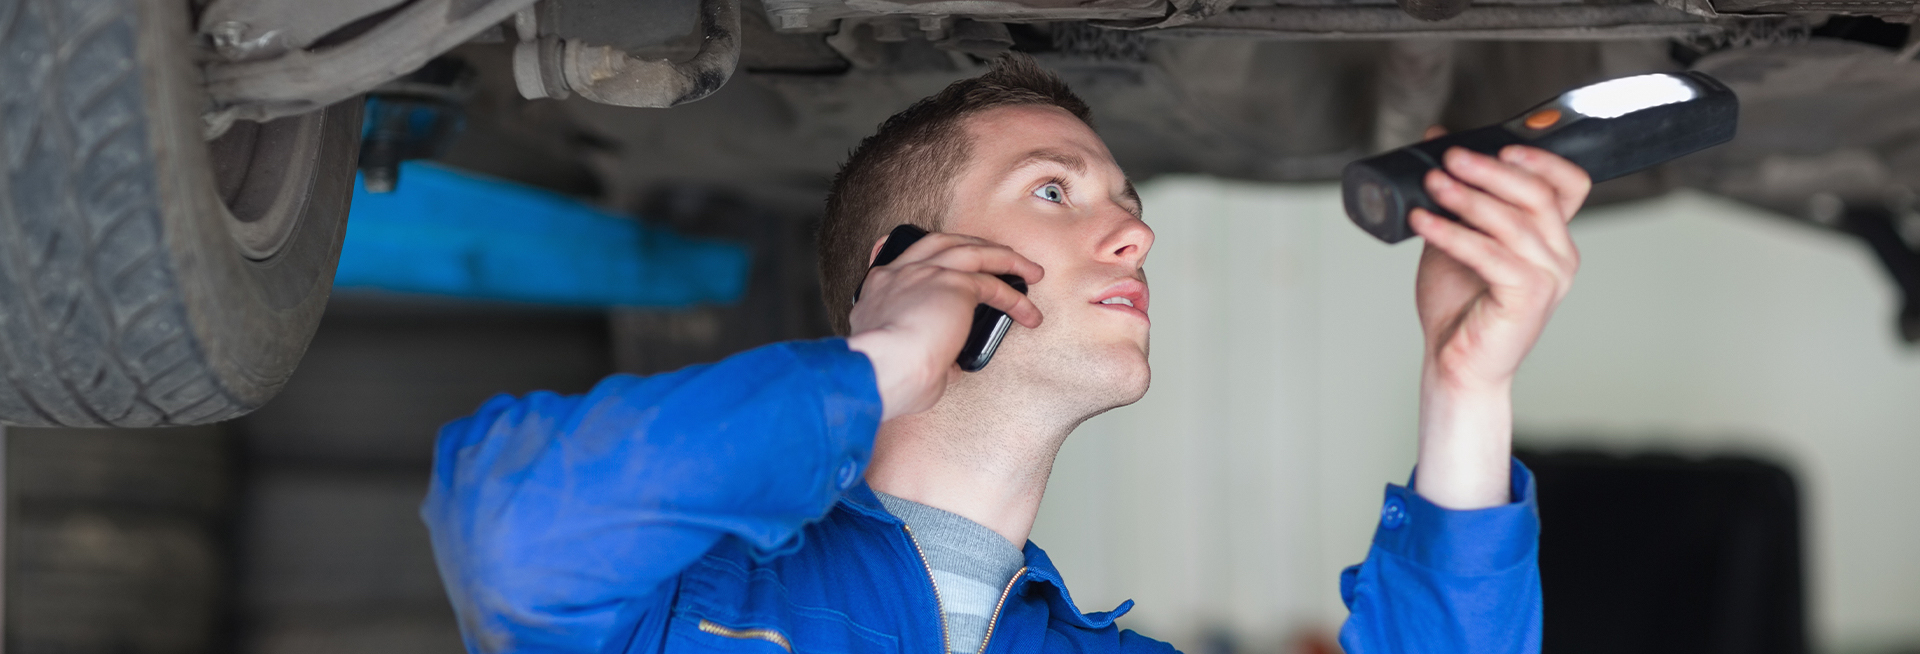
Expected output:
(989, 325)
(913, 314)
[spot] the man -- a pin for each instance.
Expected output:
(723, 507)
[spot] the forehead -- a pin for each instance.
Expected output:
(1004, 134)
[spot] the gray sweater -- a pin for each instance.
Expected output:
(971, 567)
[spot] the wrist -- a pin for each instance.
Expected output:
(1452, 374)
(893, 371)
(885, 369)
(1466, 441)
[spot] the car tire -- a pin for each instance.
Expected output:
(149, 276)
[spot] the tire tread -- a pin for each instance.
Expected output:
(93, 330)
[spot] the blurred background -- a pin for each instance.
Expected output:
(1225, 503)
(1721, 416)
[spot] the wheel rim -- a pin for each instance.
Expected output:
(264, 173)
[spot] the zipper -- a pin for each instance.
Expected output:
(946, 645)
(995, 618)
(768, 635)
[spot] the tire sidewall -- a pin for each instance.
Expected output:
(251, 319)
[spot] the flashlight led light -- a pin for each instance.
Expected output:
(1615, 98)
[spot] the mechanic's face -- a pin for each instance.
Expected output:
(1041, 182)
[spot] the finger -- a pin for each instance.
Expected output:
(1503, 222)
(1434, 132)
(934, 243)
(1571, 183)
(1538, 201)
(1495, 264)
(969, 254)
(997, 294)
(986, 257)
(1508, 182)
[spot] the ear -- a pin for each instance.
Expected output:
(875, 253)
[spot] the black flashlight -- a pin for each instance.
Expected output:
(1609, 129)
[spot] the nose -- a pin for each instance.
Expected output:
(1128, 242)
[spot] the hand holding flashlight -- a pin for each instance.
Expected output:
(1493, 204)
(1489, 281)
(1488, 284)
(1608, 129)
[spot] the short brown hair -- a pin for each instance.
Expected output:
(904, 172)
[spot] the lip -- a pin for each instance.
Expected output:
(1133, 290)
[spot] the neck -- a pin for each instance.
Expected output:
(984, 458)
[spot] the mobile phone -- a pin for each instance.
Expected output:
(1610, 129)
(989, 324)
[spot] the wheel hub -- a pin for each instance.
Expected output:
(264, 172)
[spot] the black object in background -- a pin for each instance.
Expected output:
(989, 324)
(1611, 128)
(1655, 554)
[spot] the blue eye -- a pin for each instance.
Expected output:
(1051, 193)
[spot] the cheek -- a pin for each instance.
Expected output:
(1059, 262)
(1042, 239)
(1064, 308)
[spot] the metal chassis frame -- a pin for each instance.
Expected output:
(304, 80)
(1548, 22)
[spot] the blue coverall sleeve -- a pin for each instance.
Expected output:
(1441, 581)
(558, 520)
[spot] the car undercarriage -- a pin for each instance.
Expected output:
(201, 154)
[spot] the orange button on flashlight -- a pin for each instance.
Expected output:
(1543, 118)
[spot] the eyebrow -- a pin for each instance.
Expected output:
(1078, 165)
(1071, 161)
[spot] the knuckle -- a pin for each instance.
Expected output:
(939, 277)
(1492, 216)
(1466, 198)
(980, 250)
(1578, 179)
(1559, 276)
(1541, 188)
(1538, 280)
(1551, 285)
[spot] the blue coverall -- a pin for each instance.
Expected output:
(721, 507)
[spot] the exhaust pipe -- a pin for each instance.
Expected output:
(555, 68)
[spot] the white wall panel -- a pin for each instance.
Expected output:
(1286, 360)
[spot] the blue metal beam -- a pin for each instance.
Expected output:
(453, 233)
